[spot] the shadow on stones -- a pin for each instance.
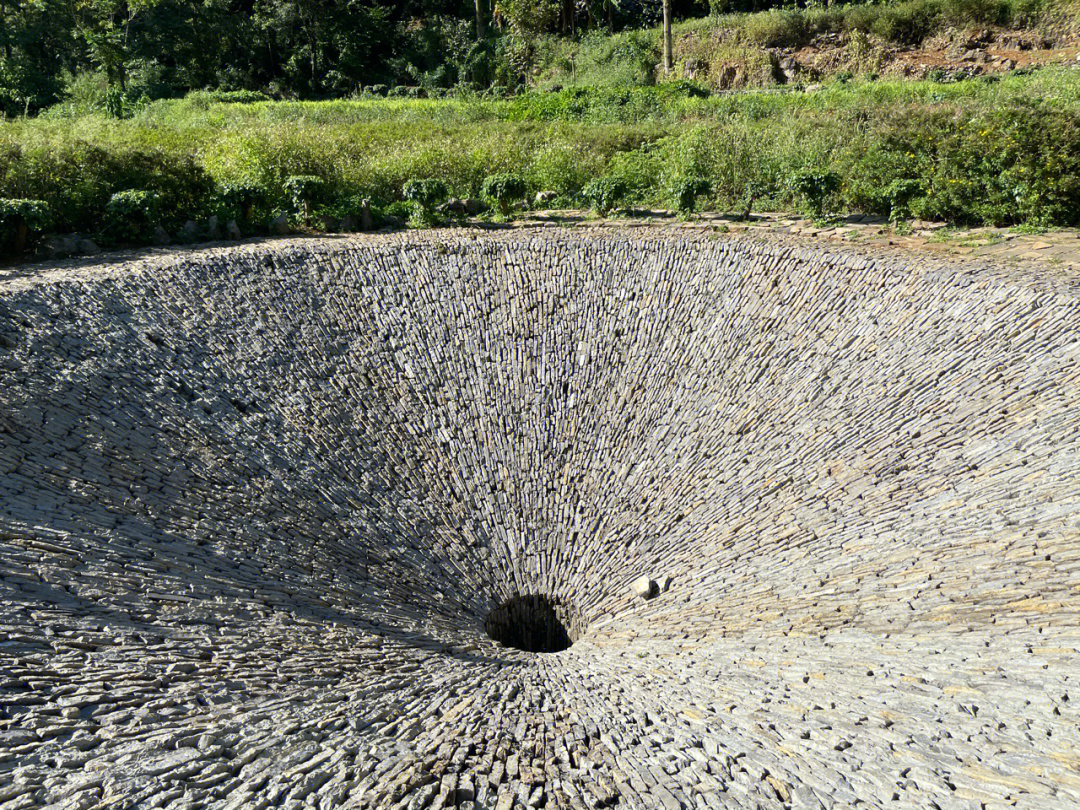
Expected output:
(530, 623)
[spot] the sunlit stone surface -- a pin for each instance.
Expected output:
(257, 504)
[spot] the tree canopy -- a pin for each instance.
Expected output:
(287, 48)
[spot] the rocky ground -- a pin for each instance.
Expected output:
(257, 502)
(955, 53)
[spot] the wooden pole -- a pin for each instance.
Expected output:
(667, 38)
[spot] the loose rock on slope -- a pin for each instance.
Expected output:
(258, 503)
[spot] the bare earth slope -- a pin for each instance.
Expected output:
(257, 502)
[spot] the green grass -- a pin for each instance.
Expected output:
(1002, 152)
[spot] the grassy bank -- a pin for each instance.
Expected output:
(1003, 151)
(707, 46)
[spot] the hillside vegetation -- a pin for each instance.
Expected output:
(997, 151)
(119, 54)
(908, 38)
(587, 120)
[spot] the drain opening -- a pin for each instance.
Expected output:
(531, 623)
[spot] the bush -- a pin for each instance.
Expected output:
(241, 196)
(999, 167)
(398, 213)
(354, 207)
(237, 96)
(409, 212)
(421, 196)
(899, 194)
(777, 28)
(304, 190)
(427, 191)
(77, 173)
(404, 91)
(202, 99)
(907, 23)
(815, 187)
(684, 192)
(245, 201)
(130, 216)
(20, 220)
(967, 152)
(604, 194)
(627, 59)
(119, 104)
(503, 189)
(751, 192)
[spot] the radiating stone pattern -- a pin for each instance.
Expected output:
(256, 502)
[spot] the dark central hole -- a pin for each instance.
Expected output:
(530, 623)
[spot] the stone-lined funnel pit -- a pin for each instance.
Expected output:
(531, 623)
(257, 504)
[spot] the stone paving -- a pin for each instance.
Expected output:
(257, 503)
(1051, 250)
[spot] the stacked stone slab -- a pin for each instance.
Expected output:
(256, 504)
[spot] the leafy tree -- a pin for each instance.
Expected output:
(36, 45)
(108, 29)
(322, 47)
(527, 18)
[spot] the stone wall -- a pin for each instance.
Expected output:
(256, 504)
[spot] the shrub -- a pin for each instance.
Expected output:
(237, 96)
(408, 212)
(503, 189)
(405, 91)
(422, 195)
(242, 196)
(130, 216)
(351, 207)
(421, 216)
(685, 88)
(750, 194)
(202, 99)
(427, 191)
(119, 104)
(604, 194)
(814, 186)
(684, 192)
(304, 190)
(776, 28)
(907, 23)
(627, 59)
(1000, 167)
(899, 194)
(20, 220)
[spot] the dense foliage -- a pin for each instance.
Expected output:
(980, 151)
(21, 220)
(118, 54)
